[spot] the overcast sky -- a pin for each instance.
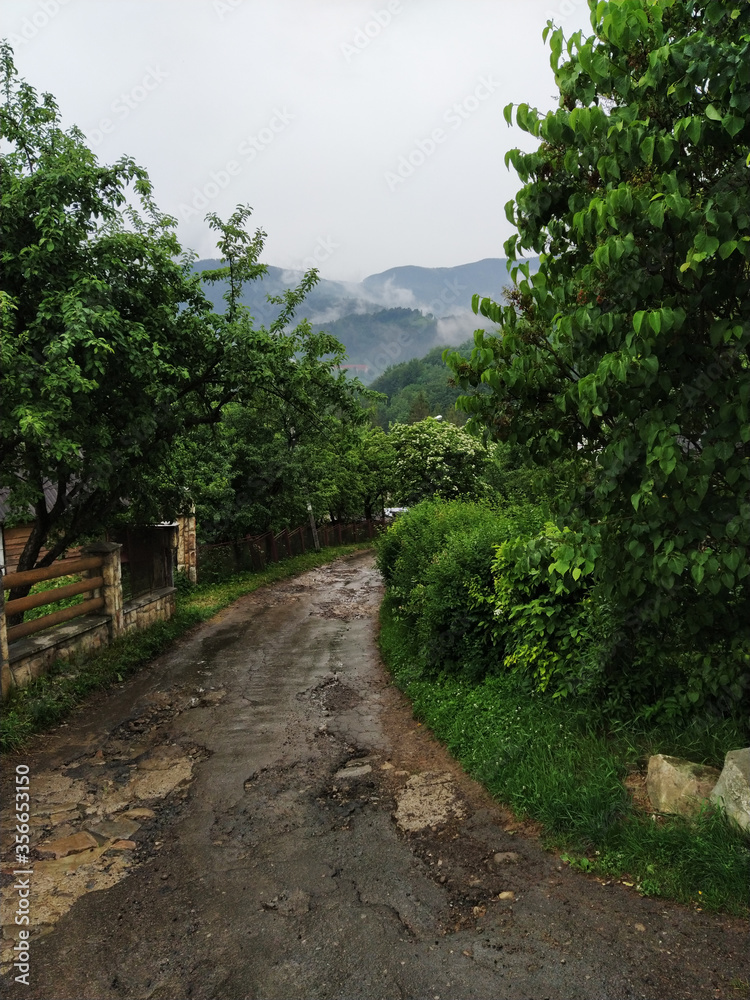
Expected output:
(364, 134)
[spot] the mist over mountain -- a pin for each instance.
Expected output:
(399, 314)
(442, 291)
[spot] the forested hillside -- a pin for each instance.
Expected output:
(386, 319)
(419, 388)
(375, 340)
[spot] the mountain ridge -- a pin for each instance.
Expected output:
(389, 317)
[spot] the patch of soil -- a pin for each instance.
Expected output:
(338, 697)
(635, 785)
(345, 610)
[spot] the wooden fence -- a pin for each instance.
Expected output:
(63, 567)
(29, 647)
(254, 552)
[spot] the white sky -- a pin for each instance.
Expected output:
(306, 109)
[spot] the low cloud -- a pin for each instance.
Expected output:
(457, 329)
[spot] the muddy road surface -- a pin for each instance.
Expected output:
(257, 815)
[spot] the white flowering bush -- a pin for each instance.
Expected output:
(436, 459)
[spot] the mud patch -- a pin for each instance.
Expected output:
(429, 800)
(333, 695)
(80, 824)
(338, 697)
(290, 904)
(348, 607)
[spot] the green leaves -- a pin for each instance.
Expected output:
(112, 355)
(733, 124)
(627, 353)
(647, 149)
(705, 246)
(436, 459)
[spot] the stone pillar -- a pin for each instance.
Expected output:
(313, 527)
(7, 674)
(187, 550)
(112, 589)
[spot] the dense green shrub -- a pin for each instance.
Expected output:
(661, 668)
(454, 628)
(436, 459)
(407, 548)
(491, 588)
(547, 620)
(438, 563)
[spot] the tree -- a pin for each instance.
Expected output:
(628, 352)
(360, 472)
(420, 408)
(259, 468)
(436, 459)
(110, 350)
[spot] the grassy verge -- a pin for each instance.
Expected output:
(557, 763)
(49, 699)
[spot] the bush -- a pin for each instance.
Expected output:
(548, 621)
(491, 588)
(454, 628)
(437, 561)
(407, 548)
(662, 669)
(436, 459)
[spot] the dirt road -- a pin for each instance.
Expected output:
(257, 815)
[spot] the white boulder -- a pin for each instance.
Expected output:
(732, 790)
(679, 786)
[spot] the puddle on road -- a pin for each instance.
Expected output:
(348, 607)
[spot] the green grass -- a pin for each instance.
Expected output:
(559, 763)
(66, 602)
(49, 699)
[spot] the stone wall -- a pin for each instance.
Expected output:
(143, 611)
(31, 657)
(187, 550)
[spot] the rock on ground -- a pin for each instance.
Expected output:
(679, 786)
(732, 790)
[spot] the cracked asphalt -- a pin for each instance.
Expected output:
(258, 815)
